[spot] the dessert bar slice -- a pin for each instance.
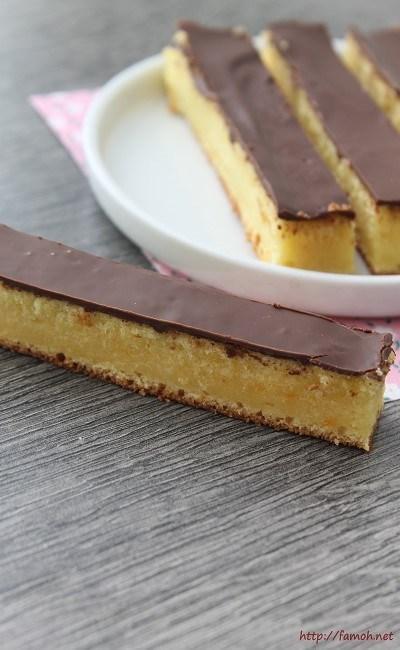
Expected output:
(375, 60)
(352, 135)
(184, 341)
(292, 210)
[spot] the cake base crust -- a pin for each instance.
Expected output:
(167, 395)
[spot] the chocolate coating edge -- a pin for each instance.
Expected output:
(167, 303)
(382, 48)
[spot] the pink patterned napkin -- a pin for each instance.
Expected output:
(64, 113)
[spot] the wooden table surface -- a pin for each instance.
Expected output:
(129, 523)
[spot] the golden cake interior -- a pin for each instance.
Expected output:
(373, 83)
(378, 226)
(325, 244)
(283, 393)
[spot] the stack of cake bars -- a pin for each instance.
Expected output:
(300, 147)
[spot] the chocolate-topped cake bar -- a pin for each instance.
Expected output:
(187, 342)
(352, 135)
(374, 58)
(292, 210)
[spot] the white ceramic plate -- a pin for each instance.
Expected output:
(153, 181)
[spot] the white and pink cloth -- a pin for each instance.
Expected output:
(64, 113)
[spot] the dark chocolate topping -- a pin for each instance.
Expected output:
(383, 49)
(131, 293)
(228, 69)
(358, 128)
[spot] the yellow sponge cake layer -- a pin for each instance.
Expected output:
(183, 341)
(357, 144)
(368, 56)
(294, 214)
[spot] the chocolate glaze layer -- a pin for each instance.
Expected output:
(382, 47)
(131, 293)
(228, 69)
(359, 130)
